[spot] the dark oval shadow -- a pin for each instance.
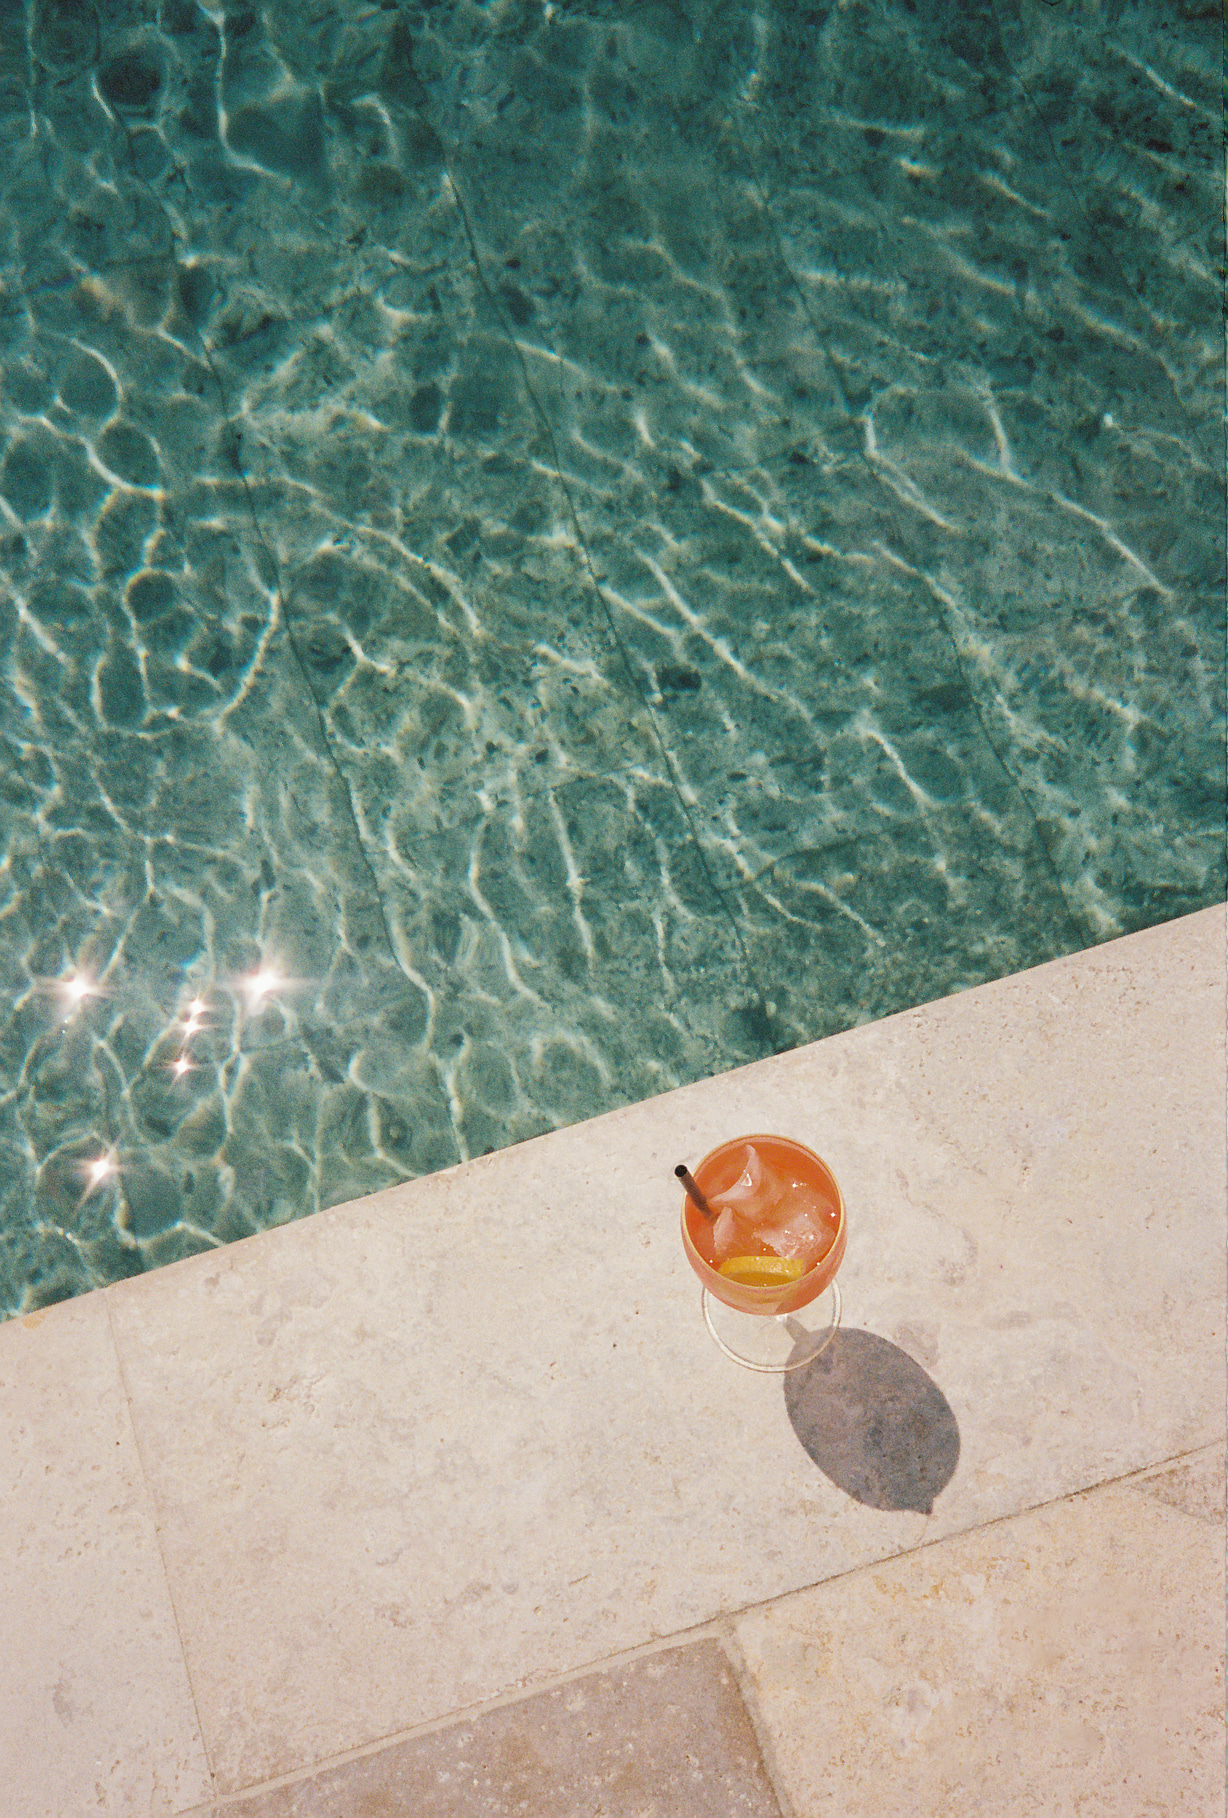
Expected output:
(874, 1423)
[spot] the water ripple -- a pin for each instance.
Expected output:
(550, 550)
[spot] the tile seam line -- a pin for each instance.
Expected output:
(471, 1713)
(232, 451)
(637, 693)
(728, 1625)
(151, 1499)
(284, 594)
(1048, 865)
(1194, 425)
(716, 1628)
(764, 1739)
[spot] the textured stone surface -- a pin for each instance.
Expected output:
(665, 1737)
(1069, 1661)
(471, 1433)
(96, 1713)
(604, 541)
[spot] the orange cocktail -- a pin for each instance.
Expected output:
(779, 1231)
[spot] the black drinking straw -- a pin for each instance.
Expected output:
(692, 1191)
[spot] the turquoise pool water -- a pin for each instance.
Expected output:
(576, 545)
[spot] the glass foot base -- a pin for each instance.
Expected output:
(774, 1342)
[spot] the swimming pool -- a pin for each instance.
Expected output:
(551, 550)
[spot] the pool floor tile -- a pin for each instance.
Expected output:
(1068, 1661)
(664, 1736)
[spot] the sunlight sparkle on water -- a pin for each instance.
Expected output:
(77, 989)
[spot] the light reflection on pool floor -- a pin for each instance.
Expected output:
(549, 551)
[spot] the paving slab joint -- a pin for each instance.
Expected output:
(743, 1678)
(155, 1516)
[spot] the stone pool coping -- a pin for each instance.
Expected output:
(295, 1508)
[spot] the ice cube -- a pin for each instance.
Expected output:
(722, 1235)
(795, 1236)
(799, 1225)
(756, 1192)
(746, 1188)
(813, 1204)
(732, 1236)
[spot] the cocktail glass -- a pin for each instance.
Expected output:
(781, 1326)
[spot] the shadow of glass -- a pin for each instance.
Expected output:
(874, 1423)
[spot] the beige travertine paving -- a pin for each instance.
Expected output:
(662, 1737)
(1068, 1661)
(96, 1714)
(469, 1435)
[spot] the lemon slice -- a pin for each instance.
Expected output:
(763, 1271)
